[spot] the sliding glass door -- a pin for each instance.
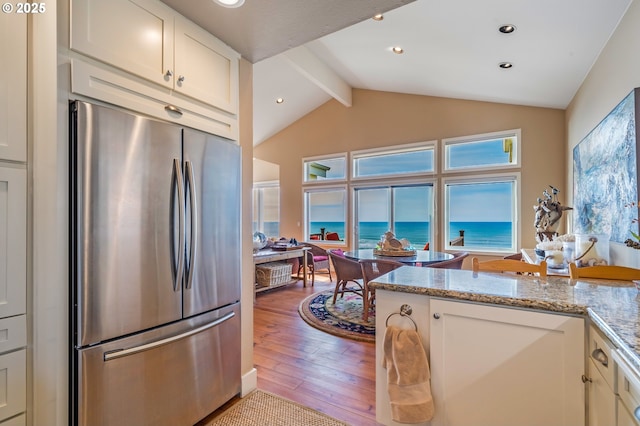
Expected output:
(405, 210)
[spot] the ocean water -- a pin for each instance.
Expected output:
(486, 235)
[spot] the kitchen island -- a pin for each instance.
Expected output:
(612, 307)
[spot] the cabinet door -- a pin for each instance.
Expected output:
(134, 35)
(13, 383)
(602, 399)
(13, 87)
(500, 366)
(206, 69)
(13, 236)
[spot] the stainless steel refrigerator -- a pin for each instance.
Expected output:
(155, 270)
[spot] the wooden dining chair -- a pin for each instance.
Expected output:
(372, 269)
(509, 265)
(455, 263)
(607, 272)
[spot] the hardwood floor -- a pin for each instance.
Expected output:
(331, 374)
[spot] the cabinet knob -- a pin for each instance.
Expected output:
(436, 315)
(585, 379)
(168, 74)
(181, 79)
(636, 413)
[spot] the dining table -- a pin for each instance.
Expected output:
(421, 258)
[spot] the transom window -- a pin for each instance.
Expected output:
(322, 169)
(400, 161)
(493, 151)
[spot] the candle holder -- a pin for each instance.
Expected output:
(591, 250)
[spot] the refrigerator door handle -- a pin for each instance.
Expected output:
(194, 223)
(119, 353)
(179, 254)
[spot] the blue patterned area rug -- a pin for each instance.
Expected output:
(343, 319)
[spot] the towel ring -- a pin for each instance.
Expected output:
(405, 311)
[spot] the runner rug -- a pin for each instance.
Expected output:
(262, 408)
(344, 318)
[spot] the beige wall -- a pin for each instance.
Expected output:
(263, 171)
(379, 119)
(612, 77)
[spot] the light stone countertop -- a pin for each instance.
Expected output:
(613, 306)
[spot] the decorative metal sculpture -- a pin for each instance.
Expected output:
(548, 213)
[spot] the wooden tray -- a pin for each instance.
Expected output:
(396, 253)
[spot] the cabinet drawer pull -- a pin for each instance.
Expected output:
(600, 356)
(173, 108)
(585, 379)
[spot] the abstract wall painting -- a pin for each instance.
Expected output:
(605, 174)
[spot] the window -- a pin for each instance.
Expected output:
(498, 150)
(266, 209)
(406, 210)
(481, 202)
(407, 160)
(322, 169)
(483, 211)
(326, 213)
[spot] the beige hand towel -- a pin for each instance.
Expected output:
(408, 376)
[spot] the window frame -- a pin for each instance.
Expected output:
(394, 149)
(318, 158)
(514, 176)
(514, 133)
(306, 216)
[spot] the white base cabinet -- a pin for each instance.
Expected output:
(490, 365)
(499, 366)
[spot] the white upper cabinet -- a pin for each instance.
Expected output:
(13, 87)
(152, 41)
(134, 35)
(205, 68)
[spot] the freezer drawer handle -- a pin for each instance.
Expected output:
(119, 353)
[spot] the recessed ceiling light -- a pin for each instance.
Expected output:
(507, 29)
(378, 17)
(279, 100)
(397, 49)
(229, 3)
(505, 65)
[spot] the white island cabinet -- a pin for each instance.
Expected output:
(492, 365)
(501, 366)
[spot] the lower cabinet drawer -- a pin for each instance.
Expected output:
(13, 333)
(20, 420)
(13, 384)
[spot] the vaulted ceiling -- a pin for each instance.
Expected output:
(309, 51)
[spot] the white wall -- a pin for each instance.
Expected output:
(612, 77)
